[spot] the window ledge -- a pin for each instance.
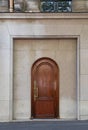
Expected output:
(44, 15)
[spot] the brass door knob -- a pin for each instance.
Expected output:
(35, 91)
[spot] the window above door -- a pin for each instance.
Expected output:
(56, 6)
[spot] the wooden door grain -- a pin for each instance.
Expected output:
(45, 89)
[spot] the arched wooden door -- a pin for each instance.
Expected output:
(45, 90)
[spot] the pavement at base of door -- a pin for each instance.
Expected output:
(45, 125)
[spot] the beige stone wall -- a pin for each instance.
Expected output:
(79, 5)
(41, 25)
(26, 52)
(4, 72)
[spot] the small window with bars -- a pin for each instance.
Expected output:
(56, 6)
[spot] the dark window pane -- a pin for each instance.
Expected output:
(55, 5)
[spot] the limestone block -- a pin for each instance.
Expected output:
(22, 88)
(80, 5)
(67, 70)
(24, 45)
(4, 74)
(4, 110)
(84, 108)
(42, 45)
(67, 112)
(21, 61)
(46, 53)
(24, 27)
(67, 44)
(84, 61)
(33, 28)
(84, 36)
(4, 61)
(83, 117)
(4, 36)
(4, 86)
(84, 87)
(21, 79)
(21, 109)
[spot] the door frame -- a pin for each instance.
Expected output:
(32, 94)
(14, 37)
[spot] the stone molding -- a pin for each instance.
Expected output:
(43, 16)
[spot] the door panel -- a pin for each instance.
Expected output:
(45, 89)
(45, 80)
(44, 108)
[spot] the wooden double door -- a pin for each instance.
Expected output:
(45, 89)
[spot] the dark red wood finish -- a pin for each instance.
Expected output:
(45, 89)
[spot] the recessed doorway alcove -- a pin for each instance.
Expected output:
(64, 52)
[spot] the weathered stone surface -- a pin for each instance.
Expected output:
(66, 29)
